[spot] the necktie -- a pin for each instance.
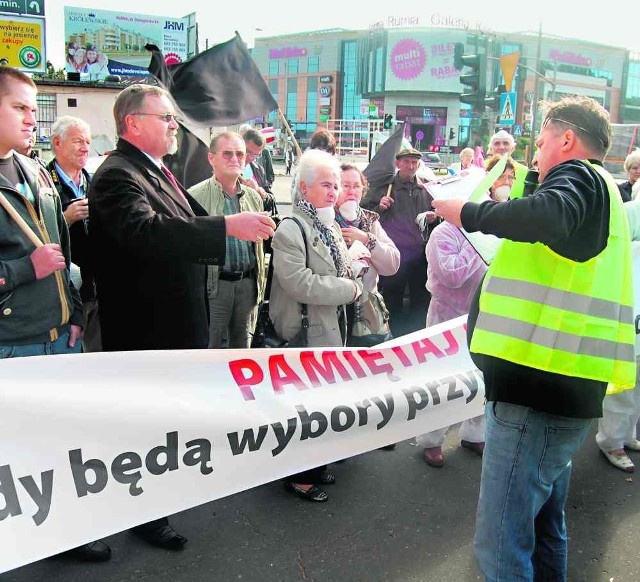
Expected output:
(174, 183)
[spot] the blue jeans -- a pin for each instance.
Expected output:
(526, 466)
(60, 346)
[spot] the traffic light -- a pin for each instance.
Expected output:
(458, 52)
(492, 100)
(474, 80)
(387, 121)
(452, 134)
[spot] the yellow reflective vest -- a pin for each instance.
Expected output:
(545, 311)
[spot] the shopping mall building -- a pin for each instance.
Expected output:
(402, 68)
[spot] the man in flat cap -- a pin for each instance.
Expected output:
(399, 202)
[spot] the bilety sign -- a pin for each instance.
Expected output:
(23, 41)
(326, 79)
(26, 7)
(101, 43)
(325, 91)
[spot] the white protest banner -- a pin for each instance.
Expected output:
(92, 444)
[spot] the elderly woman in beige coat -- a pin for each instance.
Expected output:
(319, 275)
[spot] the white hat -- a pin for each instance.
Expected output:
(502, 134)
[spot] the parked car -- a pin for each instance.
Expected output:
(432, 160)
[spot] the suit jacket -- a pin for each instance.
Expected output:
(314, 281)
(150, 252)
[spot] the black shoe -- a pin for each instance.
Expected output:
(162, 537)
(327, 477)
(388, 447)
(92, 552)
(313, 494)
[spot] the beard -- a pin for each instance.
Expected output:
(172, 146)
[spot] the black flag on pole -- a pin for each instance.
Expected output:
(382, 166)
(220, 86)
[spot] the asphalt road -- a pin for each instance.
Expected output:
(390, 518)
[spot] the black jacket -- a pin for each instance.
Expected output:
(150, 249)
(34, 310)
(79, 233)
(569, 213)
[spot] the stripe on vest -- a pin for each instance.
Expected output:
(552, 339)
(565, 300)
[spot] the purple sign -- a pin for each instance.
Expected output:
(288, 52)
(408, 59)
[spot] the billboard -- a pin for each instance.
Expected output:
(22, 43)
(422, 61)
(100, 42)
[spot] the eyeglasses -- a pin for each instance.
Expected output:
(166, 117)
(229, 155)
(584, 130)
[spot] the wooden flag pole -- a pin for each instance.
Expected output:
(288, 128)
(20, 221)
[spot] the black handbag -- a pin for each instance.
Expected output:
(264, 335)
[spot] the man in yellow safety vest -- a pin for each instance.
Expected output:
(551, 326)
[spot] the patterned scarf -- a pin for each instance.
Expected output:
(330, 239)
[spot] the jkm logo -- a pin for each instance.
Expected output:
(173, 25)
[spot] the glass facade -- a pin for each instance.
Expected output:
(312, 99)
(291, 109)
(350, 96)
(273, 87)
(313, 65)
(293, 66)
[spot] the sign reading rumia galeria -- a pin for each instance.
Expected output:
(114, 435)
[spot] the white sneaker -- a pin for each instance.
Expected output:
(619, 459)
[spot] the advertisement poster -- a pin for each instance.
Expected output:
(422, 61)
(100, 43)
(22, 44)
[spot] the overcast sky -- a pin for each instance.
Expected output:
(218, 20)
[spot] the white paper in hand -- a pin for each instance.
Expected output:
(460, 186)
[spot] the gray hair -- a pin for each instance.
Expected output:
(64, 123)
(631, 159)
(131, 100)
(310, 163)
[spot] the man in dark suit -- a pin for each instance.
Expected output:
(151, 243)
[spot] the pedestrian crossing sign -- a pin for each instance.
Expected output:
(508, 108)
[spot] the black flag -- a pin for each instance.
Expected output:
(382, 166)
(190, 164)
(220, 86)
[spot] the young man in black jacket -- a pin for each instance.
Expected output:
(40, 309)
